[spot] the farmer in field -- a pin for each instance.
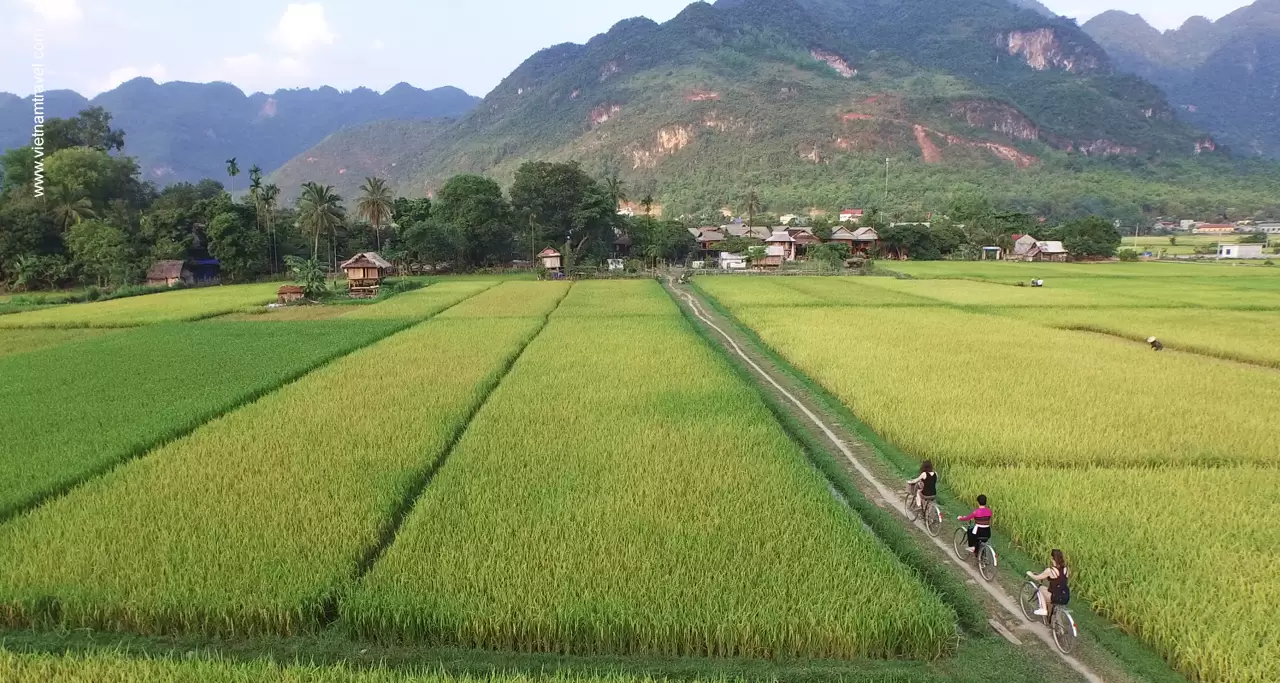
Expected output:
(925, 485)
(1058, 592)
(1155, 344)
(980, 532)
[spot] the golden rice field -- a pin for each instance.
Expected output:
(259, 520)
(624, 492)
(178, 305)
(421, 303)
(117, 668)
(1185, 558)
(1156, 472)
(515, 299)
(1248, 336)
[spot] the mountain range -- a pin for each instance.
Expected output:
(804, 100)
(1223, 76)
(186, 131)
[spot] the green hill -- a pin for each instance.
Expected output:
(1223, 76)
(803, 100)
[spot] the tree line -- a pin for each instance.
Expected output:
(99, 223)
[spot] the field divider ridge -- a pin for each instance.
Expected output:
(142, 451)
(391, 530)
(889, 496)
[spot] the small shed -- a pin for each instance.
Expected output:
(1048, 251)
(552, 260)
(289, 294)
(365, 273)
(169, 273)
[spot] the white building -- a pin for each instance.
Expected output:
(732, 261)
(1240, 251)
(1269, 228)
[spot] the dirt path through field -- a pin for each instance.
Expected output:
(859, 455)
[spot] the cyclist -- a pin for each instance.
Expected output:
(925, 485)
(980, 532)
(1058, 592)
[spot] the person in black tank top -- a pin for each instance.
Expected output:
(1059, 591)
(926, 484)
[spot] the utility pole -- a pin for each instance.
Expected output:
(886, 183)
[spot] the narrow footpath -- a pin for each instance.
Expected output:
(859, 454)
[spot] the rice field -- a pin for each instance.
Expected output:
(624, 492)
(516, 299)
(420, 304)
(178, 305)
(1247, 336)
(117, 668)
(1185, 558)
(75, 409)
(22, 341)
(258, 521)
(1156, 473)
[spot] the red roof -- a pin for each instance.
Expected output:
(548, 252)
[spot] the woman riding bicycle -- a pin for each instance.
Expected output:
(980, 532)
(1058, 592)
(925, 485)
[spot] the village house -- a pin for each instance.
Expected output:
(1048, 251)
(865, 240)
(194, 272)
(1023, 244)
(852, 215)
(709, 240)
(1269, 228)
(1215, 229)
(779, 248)
(1239, 251)
(742, 230)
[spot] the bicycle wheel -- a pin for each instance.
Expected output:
(961, 543)
(987, 562)
(1029, 601)
(932, 519)
(1064, 631)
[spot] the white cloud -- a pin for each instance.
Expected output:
(55, 11)
(303, 27)
(377, 45)
(156, 72)
(255, 72)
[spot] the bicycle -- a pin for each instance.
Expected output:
(931, 513)
(1059, 620)
(986, 555)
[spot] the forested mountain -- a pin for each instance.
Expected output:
(804, 99)
(1224, 76)
(187, 131)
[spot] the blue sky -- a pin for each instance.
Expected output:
(93, 45)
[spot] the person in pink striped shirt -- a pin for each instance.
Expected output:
(980, 531)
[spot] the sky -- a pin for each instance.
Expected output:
(261, 45)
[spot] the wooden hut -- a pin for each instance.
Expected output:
(551, 260)
(365, 273)
(289, 294)
(169, 273)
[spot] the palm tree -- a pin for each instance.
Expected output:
(616, 189)
(753, 207)
(319, 210)
(233, 169)
(267, 197)
(376, 205)
(255, 194)
(69, 206)
(647, 203)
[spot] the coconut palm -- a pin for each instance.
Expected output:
(319, 210)
(376, 205)
(616, 189)
(753, 207)
(69, 206)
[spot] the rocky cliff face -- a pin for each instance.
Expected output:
(1001, 118)
(1044, 50)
